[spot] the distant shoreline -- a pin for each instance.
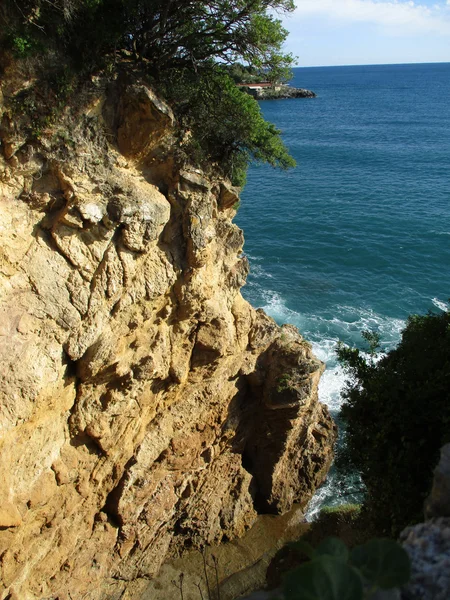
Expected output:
(285, 92)
(265, 90)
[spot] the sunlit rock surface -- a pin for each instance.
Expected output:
(145, 407)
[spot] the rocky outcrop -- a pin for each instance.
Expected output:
(145, 407)
(438, 502)
(284, 91)
(428, 543)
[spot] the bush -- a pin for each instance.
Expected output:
(226, 125)
(397, 415)
(335, 573)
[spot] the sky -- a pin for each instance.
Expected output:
(362, 32)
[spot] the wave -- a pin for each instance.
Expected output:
(439, 232)
(259, 271)
(444, 306)
(253, 258)
(342, 322)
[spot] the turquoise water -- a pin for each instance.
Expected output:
(357, 236)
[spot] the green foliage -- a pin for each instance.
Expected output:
(333, 546)
(226, 126)
(382, 562)
(165, 33)
(239, 176)
(284, 383)
(373, 340)
(189, 31)
(397, 415)
(240, 73)
(323, 578)
(184, 47)
(345, 521)
(21, 46)
(333, 573)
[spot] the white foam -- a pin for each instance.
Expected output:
(330, 387)
(252, 258)
(324, 348)
(277, 309)
(346, 324)
(441, 305)
(440, 232)
(259, 272)
(319, 498)
(334, 492)
(354, 320)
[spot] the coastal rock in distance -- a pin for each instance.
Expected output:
(285, 91)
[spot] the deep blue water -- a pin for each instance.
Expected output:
(357, 236)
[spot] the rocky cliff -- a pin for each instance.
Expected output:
(145, 407)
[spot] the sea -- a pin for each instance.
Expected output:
(357, 236)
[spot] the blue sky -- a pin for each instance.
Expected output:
(352, 32)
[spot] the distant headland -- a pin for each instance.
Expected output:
(265, 90)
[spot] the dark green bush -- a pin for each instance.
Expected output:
(397, 416)
(335, 573)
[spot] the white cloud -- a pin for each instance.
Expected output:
(398, 17)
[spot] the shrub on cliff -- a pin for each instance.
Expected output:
(227, 127)
(397, 415)
(183, 46)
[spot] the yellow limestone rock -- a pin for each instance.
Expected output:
(141, 411)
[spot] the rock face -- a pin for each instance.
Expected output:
(145, 406)
(438, 502)
(428, 544)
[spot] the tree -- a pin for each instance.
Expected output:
(184, 47)
(226, 124)
(166, 33)
(397, 414)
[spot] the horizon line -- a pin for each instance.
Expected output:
(437, 62)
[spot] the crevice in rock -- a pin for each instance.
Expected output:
(111, 518)
(111, 506)
(247, 461)
(71, 368)
(98, 269)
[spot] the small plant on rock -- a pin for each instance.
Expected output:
(284, 383)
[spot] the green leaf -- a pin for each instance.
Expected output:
(303, 548)
(382, 562)
(324, 578)
(333, 546)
